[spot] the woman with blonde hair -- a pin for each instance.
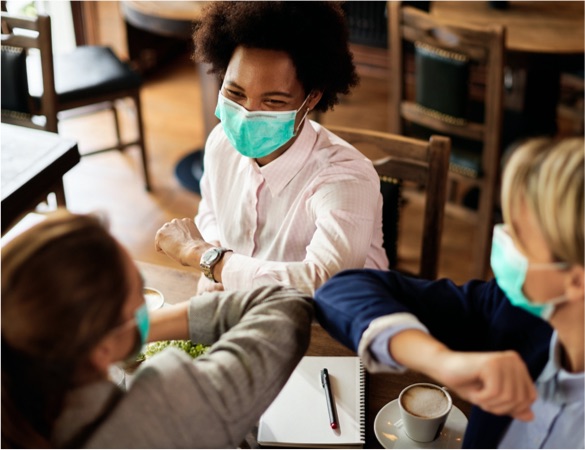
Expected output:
(512, 346)
(73, 305)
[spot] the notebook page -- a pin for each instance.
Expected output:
(299, 417)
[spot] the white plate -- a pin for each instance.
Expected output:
(392, 436)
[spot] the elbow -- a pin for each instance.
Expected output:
(300, 317)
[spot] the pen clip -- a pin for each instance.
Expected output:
(324, 375)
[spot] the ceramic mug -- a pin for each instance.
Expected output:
(154, 298)
(424, 408)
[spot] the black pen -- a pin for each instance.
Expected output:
(328, 398)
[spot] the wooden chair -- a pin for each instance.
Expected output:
(368, 37)
(81, 81)
(410, 164)
(448, 101)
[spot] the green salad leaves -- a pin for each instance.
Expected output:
(193, 350)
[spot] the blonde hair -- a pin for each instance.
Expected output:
(548, 175)
(64, 284)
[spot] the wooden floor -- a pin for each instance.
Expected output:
(111, 182)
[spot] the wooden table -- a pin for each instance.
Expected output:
(168, 18)
(542, 39)
(179, 285)
(33, 165)
(532, 26)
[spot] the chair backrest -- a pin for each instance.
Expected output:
(456, 91)
(418, 163)
(23, 36)
(483, 46)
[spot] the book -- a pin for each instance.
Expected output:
(298, 416)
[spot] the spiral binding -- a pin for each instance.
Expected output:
(362, 399)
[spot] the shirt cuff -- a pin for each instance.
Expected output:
(373, 346)
(240, 272)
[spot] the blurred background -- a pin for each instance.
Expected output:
(154, 38)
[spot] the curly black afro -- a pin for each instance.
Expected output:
(314, 34)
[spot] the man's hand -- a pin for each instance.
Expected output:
(180, 240)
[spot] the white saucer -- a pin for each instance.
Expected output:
(392, 436)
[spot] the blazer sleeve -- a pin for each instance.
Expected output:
(473, 317)
(257, 338)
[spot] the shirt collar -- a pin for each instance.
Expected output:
(555, 383)
(283, 169)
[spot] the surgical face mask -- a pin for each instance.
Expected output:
(143, 326)
(510, 266)
(256, 134)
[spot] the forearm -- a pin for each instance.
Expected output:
(214, 313)
(417, 350)
(209, 318)
(257, 338)
(240, 272)
(170, 322)
(497, 382)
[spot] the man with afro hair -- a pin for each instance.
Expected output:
(284, 200)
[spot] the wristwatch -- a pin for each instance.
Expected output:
(209, 259)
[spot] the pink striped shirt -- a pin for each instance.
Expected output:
(312, 212)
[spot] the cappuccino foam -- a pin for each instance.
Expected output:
(153, 298)
(424, 401)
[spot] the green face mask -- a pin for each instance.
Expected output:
(510, 266)
(256, 134)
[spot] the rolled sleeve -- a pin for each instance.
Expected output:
(373, 346)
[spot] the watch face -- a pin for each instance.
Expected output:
(210, 255)
(209, 259)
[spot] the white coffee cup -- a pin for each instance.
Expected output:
(424, 408)
(154, 298)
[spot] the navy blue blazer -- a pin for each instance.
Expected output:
(474, 317)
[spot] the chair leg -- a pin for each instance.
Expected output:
(117, 125)
(142, 140)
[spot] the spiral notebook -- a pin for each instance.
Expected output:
(298, 417)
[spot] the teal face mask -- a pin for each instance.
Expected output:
(256, 134)
(142, 323)
(510, 266)
(143, 326)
